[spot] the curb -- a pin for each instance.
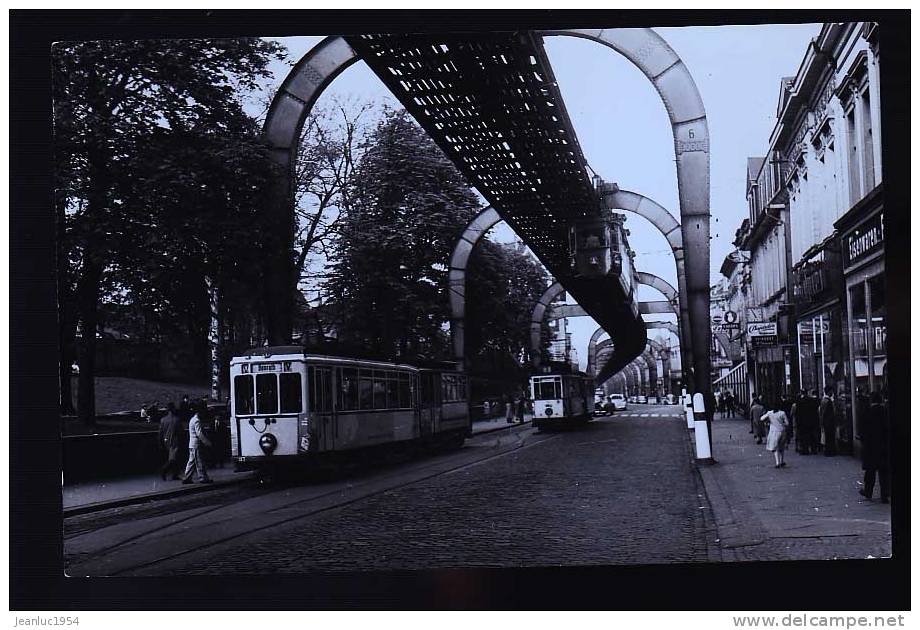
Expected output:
(196, 488)
(88, 508)
(503, 428)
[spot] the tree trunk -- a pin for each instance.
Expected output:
(88, 305)
(67, 322)
(214, 338)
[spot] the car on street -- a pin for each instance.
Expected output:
(618, 402)
(642, 400)
(653, 400)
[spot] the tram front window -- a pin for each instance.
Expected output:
(243, 401)
(266, 393)
(548, 390)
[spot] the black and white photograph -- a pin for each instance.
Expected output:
(574, 294)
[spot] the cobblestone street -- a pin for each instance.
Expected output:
(620, 490)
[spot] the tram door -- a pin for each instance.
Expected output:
(430, 402)
(319, 385)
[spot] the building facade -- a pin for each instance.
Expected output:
(815, 230)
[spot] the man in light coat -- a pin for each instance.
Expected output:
(196, 441)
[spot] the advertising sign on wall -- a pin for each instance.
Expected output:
(762, 333)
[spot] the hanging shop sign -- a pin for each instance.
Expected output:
(762, 333)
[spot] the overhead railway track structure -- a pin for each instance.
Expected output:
(491, 103)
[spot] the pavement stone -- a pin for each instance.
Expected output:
(615, 491)
(809, 510)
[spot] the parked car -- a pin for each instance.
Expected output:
(601, 409)
(642, 400)
(618, 402)
(653, 400)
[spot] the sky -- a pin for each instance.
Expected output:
(625, 134)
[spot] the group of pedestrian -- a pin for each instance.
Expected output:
(726, 403)
(813, 425)
(515, 406)
(171, 429)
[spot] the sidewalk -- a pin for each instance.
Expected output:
(496, 423)
(809, 510)
(94, 495)
(89, 496)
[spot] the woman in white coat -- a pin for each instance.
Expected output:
(776, 438)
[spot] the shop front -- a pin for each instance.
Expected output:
(863, 249)
(771, 374)
(820, 333)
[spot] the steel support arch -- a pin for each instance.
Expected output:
(664, 222)
(283, 125)
(537, 318)
(649, 52)
(459, 259)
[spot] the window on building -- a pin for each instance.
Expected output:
(868, 146)
(853, 156)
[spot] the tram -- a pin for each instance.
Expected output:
(561, 397)
(288, 405)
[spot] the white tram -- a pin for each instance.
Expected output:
(561, 398)
(289, 406)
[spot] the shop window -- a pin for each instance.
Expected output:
(859, 338)
(878, 332)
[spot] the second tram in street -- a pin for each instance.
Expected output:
(561, 398)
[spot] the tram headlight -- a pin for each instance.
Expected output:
(548, 411)
(268, 443)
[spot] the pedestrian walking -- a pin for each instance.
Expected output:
(827, 415)
(874, 432)
(509, 410)
(197, 440)
(169, 440)
(777, 437)
(521, 405)
(757, 412)
(730, 403)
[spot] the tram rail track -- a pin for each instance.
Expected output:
(194, 534)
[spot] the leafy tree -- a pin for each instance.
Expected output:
(330, 146)
(503, 286)
(111, 99)
(405, 208)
